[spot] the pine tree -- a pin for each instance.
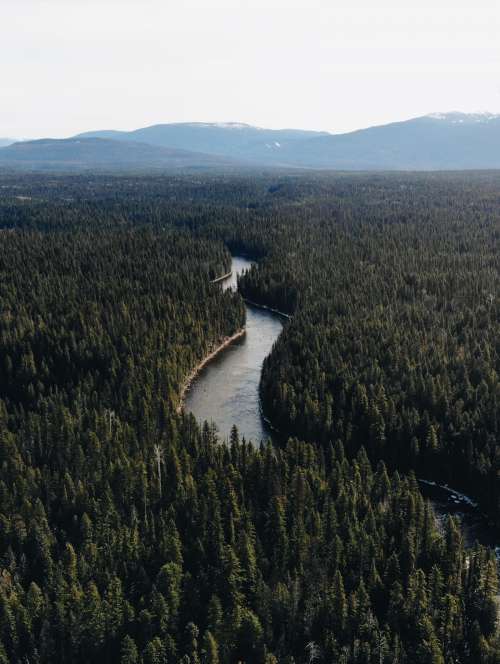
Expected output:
(129, 652)
(209, 649)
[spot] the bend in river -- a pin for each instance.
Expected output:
(229, 385)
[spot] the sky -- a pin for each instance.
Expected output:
(68, 66)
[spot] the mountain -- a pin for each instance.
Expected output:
(440, 141)
(102, 153)
(230, 139)
(6, 141)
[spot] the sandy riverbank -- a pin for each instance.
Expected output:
(224, 276)
(208, 358)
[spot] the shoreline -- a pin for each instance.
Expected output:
(264, 306)
(457, 497)
(267, 420)
(227, 341)
(222, 278)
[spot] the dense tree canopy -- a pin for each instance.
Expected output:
(129, 534)
(394, 339)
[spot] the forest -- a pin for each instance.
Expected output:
(131, 533)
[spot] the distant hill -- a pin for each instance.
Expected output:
(434, 142)
(6, 141)
(230, 139)
(440, 141)
(101, 153)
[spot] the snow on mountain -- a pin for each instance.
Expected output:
(456, 117)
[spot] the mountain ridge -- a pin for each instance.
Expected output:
(230, 139)
(437, 141)
(101, 153)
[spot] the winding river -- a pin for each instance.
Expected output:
(229, 388)
(229, 385)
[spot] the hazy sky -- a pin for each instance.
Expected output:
(74, 65)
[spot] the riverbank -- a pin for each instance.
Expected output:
(283, 315)
(457, 497)
(201, 365)
(267, 420)
(224, 276)
(264, 306)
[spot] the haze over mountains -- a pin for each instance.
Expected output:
(440, 141)
(232, 139)
(100, 153)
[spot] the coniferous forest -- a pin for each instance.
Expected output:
(130, 533)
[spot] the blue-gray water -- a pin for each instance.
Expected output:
(226, 392)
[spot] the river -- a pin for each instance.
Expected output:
(475, 526)
(229, 388)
